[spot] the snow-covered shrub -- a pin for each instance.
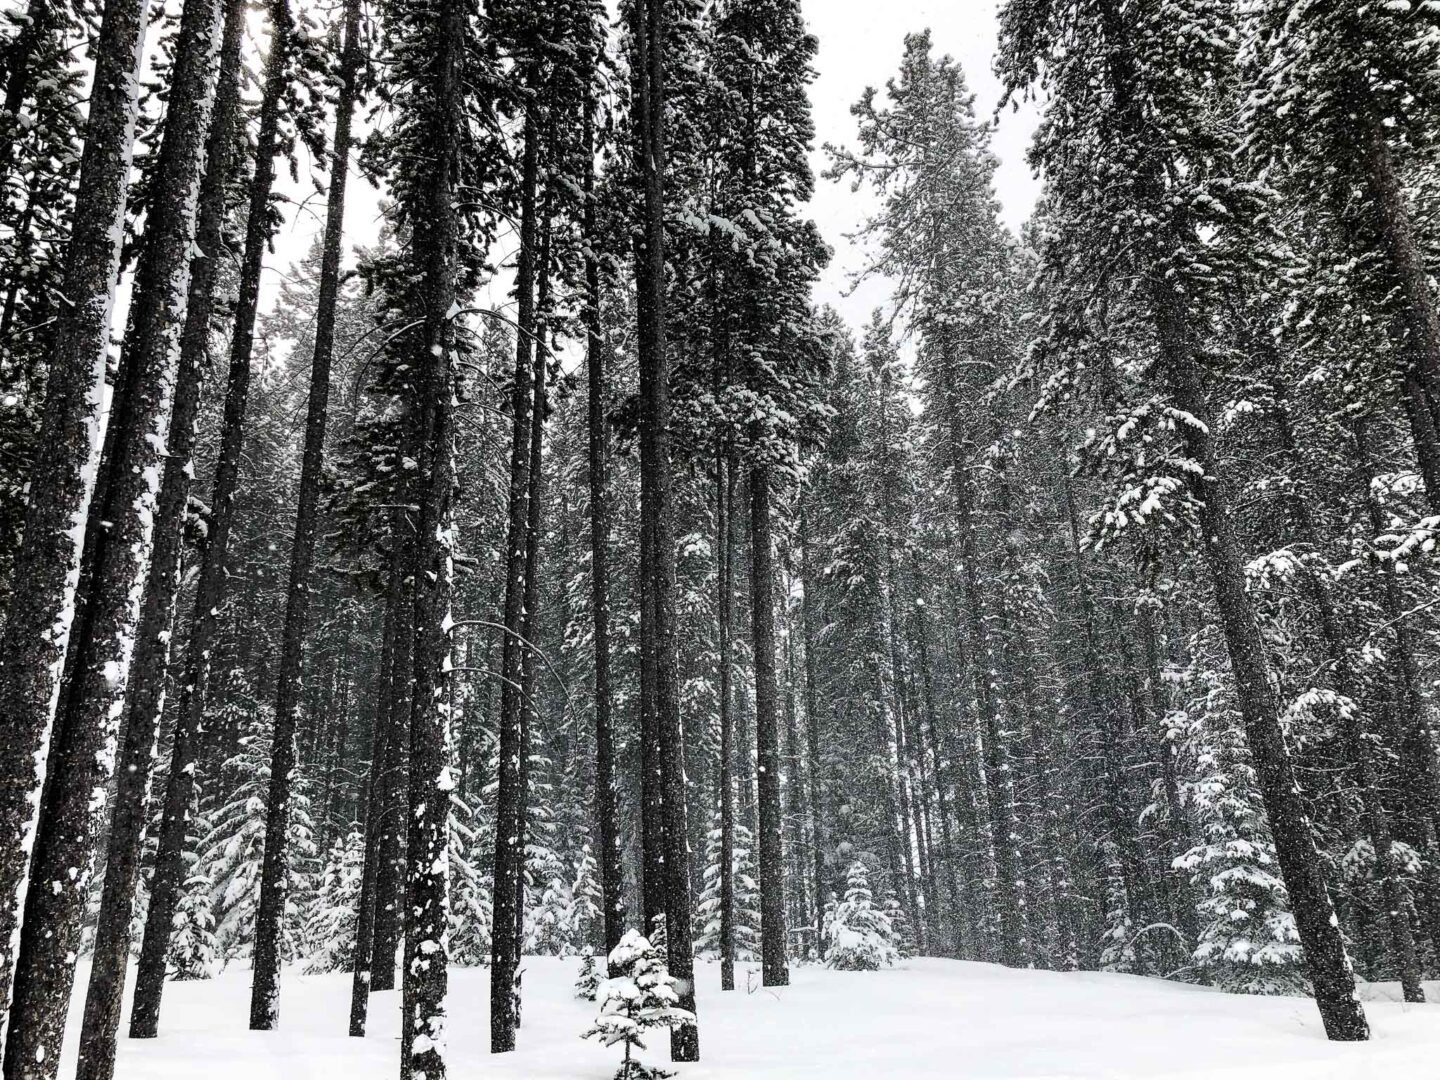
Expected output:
(858, 935)
(641, 997)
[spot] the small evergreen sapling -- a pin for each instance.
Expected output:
(640, 998)
(858, 935)
(587, 983)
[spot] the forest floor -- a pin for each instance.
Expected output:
(924, 1019)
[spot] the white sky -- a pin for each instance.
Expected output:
(860, 45)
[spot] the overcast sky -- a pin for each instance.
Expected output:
(860, 45)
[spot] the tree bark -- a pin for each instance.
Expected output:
(362, 974)
(37, 625)
(510, 796)
(607, 810)
(657, 626)
(274, 876)
(213, 584)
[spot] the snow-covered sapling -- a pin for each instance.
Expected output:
(587, 983)
(858, 935)
(641, 996)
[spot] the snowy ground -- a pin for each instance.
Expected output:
(927, 1018)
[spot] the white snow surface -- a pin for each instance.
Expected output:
(923, 1019)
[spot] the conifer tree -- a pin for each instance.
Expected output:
(1159, 124)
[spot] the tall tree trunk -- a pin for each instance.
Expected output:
(434, 256)
(510, 796)
(82, 758)
(767, 733)
(1300, 864)
(395, 782)
(725, 605)
(213, 584)
(657, 627)
(274, 875)
(1420, 342)
(37, 624)
(146, 693)
(607, 809)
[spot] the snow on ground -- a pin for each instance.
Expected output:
(925, 1019)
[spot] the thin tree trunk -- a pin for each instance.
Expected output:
(725, 604)
(274, 875)
(395, 782)
(818, 840)
(380, 739)
(37, 625)
(510, 795)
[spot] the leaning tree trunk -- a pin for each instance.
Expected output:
(274, 876)
(213, 583)
(767, 733)
(37, 624)
(657, 516)
(1300, 864)
(1419, 315)
(83, 757)
(145, 698)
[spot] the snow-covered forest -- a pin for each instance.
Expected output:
(533, 574)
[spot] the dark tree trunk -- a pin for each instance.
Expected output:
(1300, 864)
(657, 626)
(725, 604)
(510, 808)
(767, 734)
(607, 809)
(37, 624)
(83, 754)
(145, 697)
(1420, 342)
(395, 782)
(381, 738)
(274, 876)
(530, 603)
(434, 254)
(213, 584)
